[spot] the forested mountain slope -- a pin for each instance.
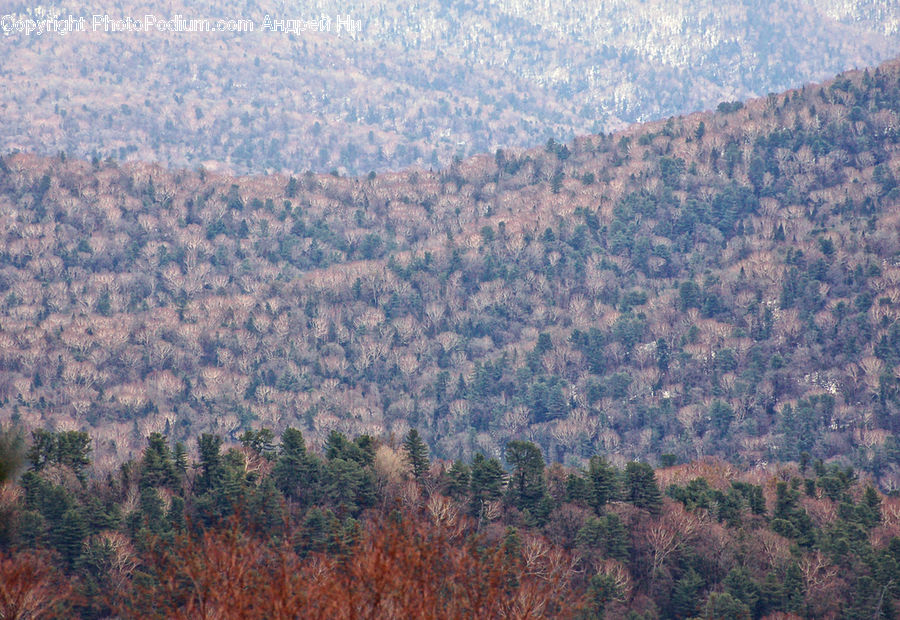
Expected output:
(418, 83)
(719, 284)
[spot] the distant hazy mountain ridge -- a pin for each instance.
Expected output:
(420, 83)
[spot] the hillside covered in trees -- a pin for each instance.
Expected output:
(368, 528)
(419, 83)
(720, 284)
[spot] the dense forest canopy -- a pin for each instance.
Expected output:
(719, 284)
(649, 374)
(269, 528)
(419, 83)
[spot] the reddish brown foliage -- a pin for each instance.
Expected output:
(30, 587)
(400, 568)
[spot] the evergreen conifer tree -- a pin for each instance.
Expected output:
(603, 483)
(526, 485)
(416, 453)
(643, 490)
(295, 471)
(485, 483)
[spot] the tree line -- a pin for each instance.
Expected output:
(270, 527)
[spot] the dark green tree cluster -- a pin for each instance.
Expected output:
(636, 548)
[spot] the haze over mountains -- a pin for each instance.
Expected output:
(419, 84)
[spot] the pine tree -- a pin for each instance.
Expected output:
(457, 480)
(348, 485)
(793, 589)
(68, 448)
(778, 235)
(485, 483)
(602, 590)
(870, 508)
(723, 605)
(603, 482)
(181, 462)
(526, 484)
(152, 509)
(616, 545)
(42, 451)
(361, 450)
(416, 453)
(686, 595)
(662, 355)
(73, 448)
(262, 442)
(210, 462)
(295, 473)
(175, 515)
(68, 534)
(739, 584)
(265, 506)
(157, 465)
(643, 490)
